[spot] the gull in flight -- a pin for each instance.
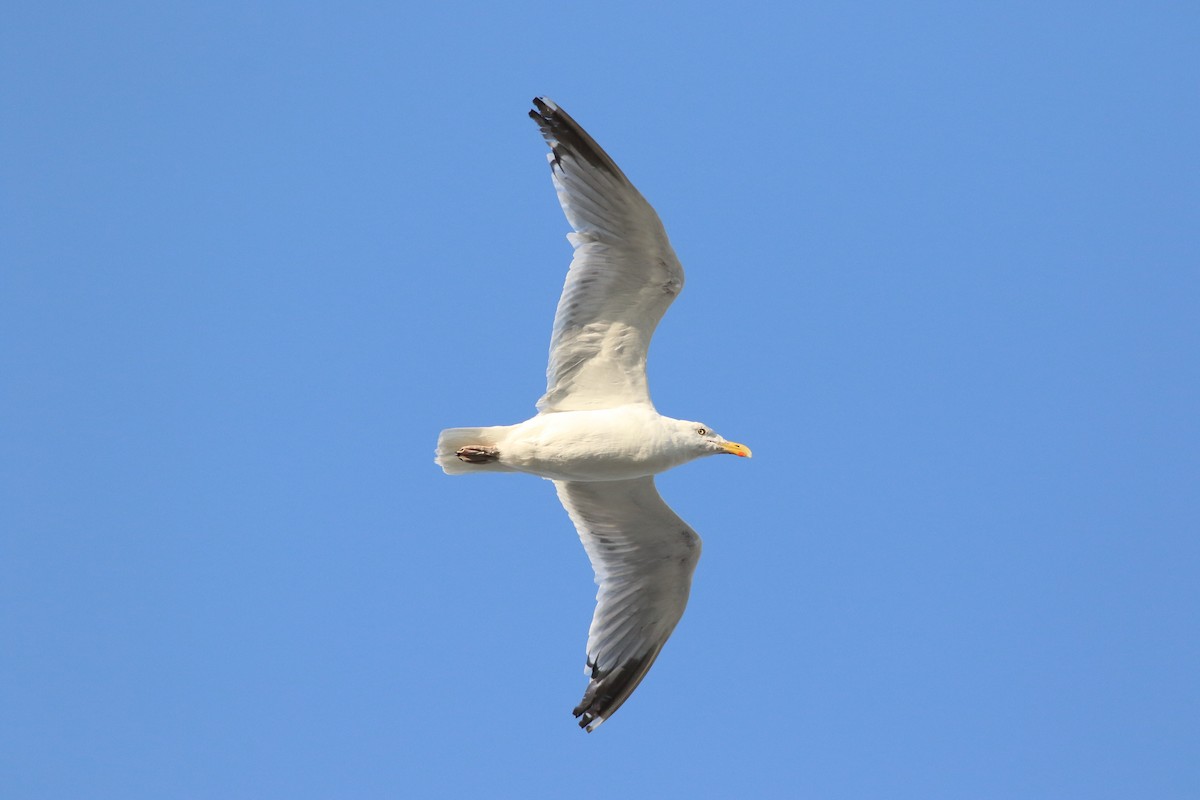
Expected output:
(596, 433)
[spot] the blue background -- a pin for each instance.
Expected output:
(944, 279)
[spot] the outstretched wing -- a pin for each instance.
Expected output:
(644, 556)
(622, 278)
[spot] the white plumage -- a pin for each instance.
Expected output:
(597, 435)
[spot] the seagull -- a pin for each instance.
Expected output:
(597, 435)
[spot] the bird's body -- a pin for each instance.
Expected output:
(597, 435)
(608, 444)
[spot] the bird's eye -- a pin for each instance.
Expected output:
(702, 431)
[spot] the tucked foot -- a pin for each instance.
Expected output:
(478, 454)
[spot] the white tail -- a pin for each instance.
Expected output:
(452, 439)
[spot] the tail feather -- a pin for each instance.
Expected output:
(452, 439)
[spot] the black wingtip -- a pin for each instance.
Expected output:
(567, 138)
(541, 108)
(609, 689)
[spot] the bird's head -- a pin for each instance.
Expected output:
(707, 442)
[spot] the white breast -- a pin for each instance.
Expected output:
(603, 445)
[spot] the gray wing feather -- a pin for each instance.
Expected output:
(622, 278)
(643, 555)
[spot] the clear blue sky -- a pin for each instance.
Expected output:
(943, 277)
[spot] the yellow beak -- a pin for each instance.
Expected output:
(736, 449)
